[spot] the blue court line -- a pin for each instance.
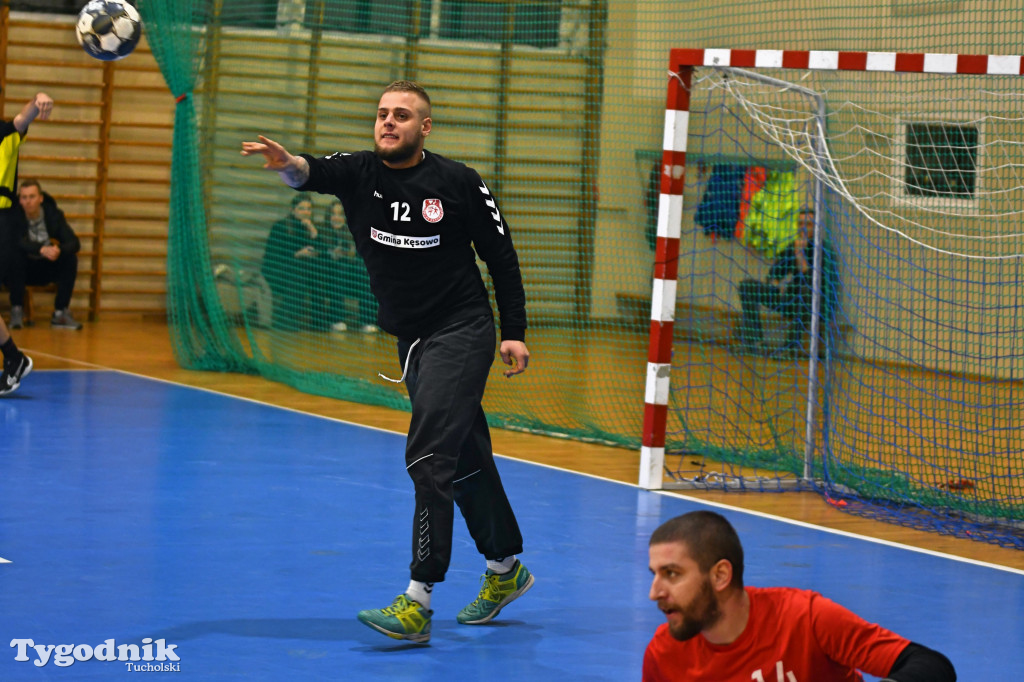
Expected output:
(249, 535)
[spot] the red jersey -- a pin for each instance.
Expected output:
(792, 636)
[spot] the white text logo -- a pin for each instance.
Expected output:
(65, 655)
(403, 241)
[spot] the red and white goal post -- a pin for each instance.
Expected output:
(682, 63)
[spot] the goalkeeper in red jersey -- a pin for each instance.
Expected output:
(720, 631)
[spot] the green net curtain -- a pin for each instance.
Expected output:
(201, 339)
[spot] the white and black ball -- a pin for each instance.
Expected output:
(108, 29)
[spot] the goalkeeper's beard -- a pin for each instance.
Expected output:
(700, 614)
(399, 154)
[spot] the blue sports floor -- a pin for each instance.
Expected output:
(248, 536)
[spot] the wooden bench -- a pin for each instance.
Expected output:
(30, 289)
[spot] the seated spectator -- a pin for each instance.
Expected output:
(288, 268)
(345, 275)
(47, 253)
(788, 291)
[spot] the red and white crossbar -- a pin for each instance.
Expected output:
(829, 60)
(673, 170)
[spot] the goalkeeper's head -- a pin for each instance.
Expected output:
(697, 563)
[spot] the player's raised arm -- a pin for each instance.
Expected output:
(294, 170)
(39, 107)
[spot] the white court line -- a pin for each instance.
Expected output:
(92, 367)
(696, 500)
(791, 522)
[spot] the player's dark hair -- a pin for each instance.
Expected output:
(31, 182)
(708, 537)
(409, 86)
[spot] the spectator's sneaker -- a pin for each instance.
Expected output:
(497, 592)
(404, 619)
(17, 317)
(13, 373)
(62, 319)
(339, 327)
(369, 329)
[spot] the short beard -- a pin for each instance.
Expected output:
(705, 613)
(397, 154)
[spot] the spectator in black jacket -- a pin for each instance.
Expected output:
(788, 291)
(48, 253)
(289, 261)
(344, 275)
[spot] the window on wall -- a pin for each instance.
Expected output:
(533, 23)
(243, 13)
(405, 18)
(941, 160)
(50, 6)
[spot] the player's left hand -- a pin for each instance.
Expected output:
(516, 355)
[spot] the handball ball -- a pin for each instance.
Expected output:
(108, 29)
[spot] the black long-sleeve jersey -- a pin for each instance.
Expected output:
(416, 229)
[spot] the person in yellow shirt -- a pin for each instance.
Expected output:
(16, 365)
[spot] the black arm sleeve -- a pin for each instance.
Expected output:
(918, 663)
(69, 241)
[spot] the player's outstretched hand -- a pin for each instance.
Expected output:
(277, 157)
(516, 355)
(294, 170)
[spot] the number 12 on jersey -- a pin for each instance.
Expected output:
(400, 211)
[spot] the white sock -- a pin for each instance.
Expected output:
(501, 566)
(420, 592)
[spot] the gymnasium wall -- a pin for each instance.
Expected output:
(637, 36)
(104, 155)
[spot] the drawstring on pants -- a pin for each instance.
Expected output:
(405, 370)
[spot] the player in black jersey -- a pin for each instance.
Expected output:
(419, 220)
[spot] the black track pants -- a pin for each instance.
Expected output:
(448, 452)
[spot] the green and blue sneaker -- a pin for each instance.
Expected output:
(404, 619)
(497, 592)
